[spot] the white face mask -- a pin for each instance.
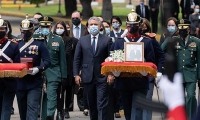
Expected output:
(59, 31)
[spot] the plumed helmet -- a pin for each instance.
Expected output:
(26, 24)
(133, 18)
(2, 22)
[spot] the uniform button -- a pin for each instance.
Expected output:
(183, 49)
(0, 60)
(183, 66)
(183, 54)
(24, 55)
(25, 51)
(183, 60)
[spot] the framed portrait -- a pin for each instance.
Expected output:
(134, 52)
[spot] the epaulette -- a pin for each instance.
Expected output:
(146, 37)
(14, 41)
(151, 34)
(194, 37)
(17, 40)
(39, 38)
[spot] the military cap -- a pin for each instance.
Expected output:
(183, 23)
(2, 22)
(45, 21)
(26, 24)
(133, 18)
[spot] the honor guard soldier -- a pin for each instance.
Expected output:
(30, 86)
(9, 53)
(132, 87)
(188, 56)
(56, 73)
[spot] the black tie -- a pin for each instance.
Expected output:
(93, 45)
(45, 39)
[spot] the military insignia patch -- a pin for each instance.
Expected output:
(55, 44)
(192, 44)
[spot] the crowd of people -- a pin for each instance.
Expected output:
(67, 60)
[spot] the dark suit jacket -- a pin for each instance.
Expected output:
(87, 61)
(138, 11)
(155, 4)
(82, 30)
(174, 7)
(112, 34)
(187, 8)
(136, 55)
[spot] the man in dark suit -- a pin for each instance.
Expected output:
(91, 51)
(77, 27)
(133, 86)
(143, 10)
(78, 31)
(185, 8)
(135, 55)
(154, 10)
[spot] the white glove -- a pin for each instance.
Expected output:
(173, 94)
(143, 73)
(116, 74)
(108, 59)
(158, 77)
(35, 70)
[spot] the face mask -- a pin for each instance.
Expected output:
(101, 32)
(45, 31)
(76, 21)
(197, 10)
(37, 30)
(8, 30)
(2, 34)
(107, 31)
(115, 25)
(134, 29)
(141, 3)
(183, 33)
(171, 29)
(27, 35)
(94, 29)
(60, 31)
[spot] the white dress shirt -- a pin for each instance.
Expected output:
(116, 32)
(74, 30)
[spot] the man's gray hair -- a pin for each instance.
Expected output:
(94, 18)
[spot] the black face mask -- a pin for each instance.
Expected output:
(2, 34)
(76, 21)
(183, 33)
(27, 35)
(134, 29)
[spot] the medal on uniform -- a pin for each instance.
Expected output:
(36, 50)
(33, 52)
(29, 50)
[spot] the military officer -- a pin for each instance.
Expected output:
(30, 86)
(8, 86)
(188, 56)
(56, 73)
(134, 86)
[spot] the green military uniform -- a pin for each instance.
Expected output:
(188, 56)
(56, 72)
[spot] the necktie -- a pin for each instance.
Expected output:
(93, 45)
(142, 13)
(77, 32)
(45, 39)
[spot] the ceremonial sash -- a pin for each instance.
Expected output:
(26, 45)
(3, 54)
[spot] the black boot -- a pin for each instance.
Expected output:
(59, 116)
(66, 114)
(49, 118)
